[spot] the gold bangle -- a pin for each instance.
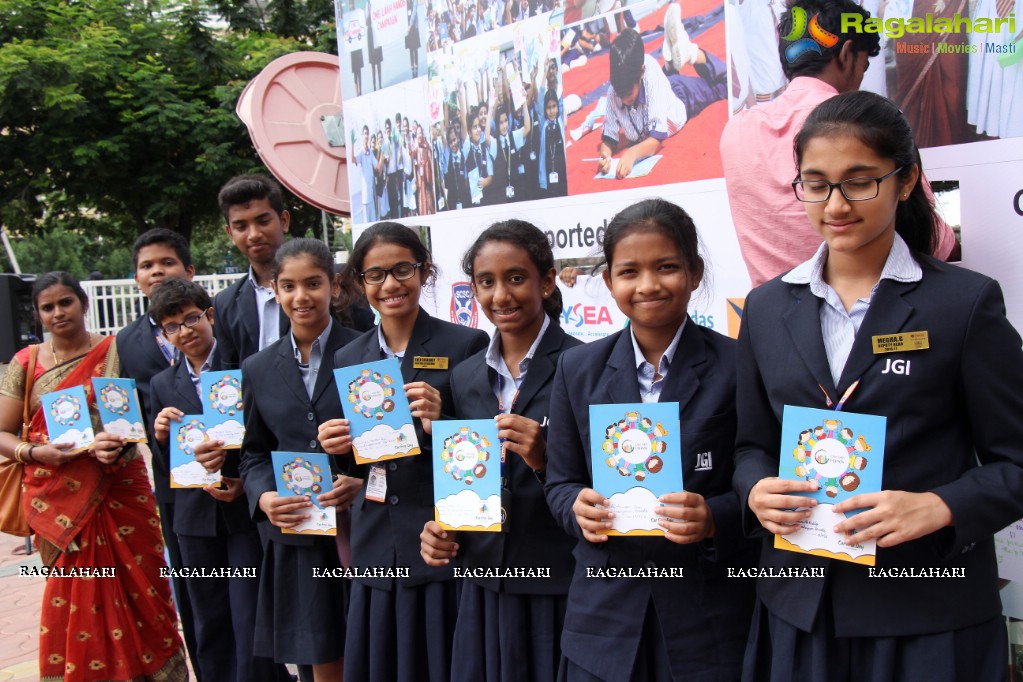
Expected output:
(18, 450)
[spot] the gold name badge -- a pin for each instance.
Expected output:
(424, 362)
(903, 341)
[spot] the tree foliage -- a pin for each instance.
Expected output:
(118, 115)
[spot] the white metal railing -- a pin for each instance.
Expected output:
(113, 303)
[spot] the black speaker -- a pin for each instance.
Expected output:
(18, 326)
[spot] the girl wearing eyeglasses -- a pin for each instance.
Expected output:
(400, 628)
(953, 456)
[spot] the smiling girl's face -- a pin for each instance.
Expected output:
(304, 292)
(391, 298)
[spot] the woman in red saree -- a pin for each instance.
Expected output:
(90, 510)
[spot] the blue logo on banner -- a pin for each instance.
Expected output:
(463, 305)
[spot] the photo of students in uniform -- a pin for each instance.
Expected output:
(381, 43)
(392, 172)
(495, 110)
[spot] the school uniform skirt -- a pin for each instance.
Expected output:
(780, 652)
(401, 635)
(300, 618)
(502, 637)
(651, 660)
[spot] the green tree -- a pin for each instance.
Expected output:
(117, 116)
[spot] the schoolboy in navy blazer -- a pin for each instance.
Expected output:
(273, 374)
(196, 512)
(206, 528)
(237, 329)
(409, 479)
(703, 611)
(967, 382)
(533, 538)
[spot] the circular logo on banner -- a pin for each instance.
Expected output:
(634, 446)
(465, 455)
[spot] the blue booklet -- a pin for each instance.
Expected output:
(67, 418)
(222, 407)
(185, 472)
(844, 453)
(637, 457)
(306, 473)
(119, 409)
(467, 475)
(374, 402)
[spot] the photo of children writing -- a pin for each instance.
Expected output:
(645, 96)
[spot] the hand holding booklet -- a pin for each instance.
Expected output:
(843, 452)
(637, 457)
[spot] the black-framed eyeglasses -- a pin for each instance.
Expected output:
(172, 328)
(400, 272)
(853, 189)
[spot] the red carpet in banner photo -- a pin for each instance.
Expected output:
(691, 153)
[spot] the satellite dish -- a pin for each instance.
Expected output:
(293, 112)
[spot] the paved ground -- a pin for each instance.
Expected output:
(20, 600)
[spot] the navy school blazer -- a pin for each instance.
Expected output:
(141, 359)
(704, 616)
(195, 510)
(279, 415)
(387, 533)
(955, 403)
(237, 328)
(533, 538)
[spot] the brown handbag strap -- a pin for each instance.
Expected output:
(30, 379)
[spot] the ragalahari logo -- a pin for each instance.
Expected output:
(799, 43)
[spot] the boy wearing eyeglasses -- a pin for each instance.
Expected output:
(215, 533)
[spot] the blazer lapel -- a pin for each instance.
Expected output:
(188, 400)
(803, 322)
(683, 378)
(247, 309)
(887, 314)
(480, 392)
(326, 373)
(541, 367)
(288, 370)
(622, 385)
(418, 346)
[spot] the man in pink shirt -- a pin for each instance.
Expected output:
(756, 146)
